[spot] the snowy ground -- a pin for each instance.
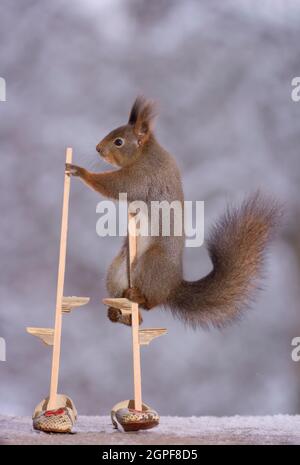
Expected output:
(278, 429)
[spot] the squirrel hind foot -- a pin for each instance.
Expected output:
(134, 294)
(115, 316)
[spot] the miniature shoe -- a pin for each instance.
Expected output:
(134, 420)
(60, 420)
(129, 419)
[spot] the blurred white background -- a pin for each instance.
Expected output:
(222, 73)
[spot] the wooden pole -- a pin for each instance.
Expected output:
(52, 404)
(135, 319)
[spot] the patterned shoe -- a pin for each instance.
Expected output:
(129, 419)
(60, 420)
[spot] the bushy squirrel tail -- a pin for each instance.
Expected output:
(237, 246)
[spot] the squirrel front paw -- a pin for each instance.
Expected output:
(73, 170)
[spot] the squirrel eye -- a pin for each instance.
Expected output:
(118, 142)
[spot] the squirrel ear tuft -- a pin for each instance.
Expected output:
(142, 116)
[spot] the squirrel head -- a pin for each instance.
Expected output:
(124, 145)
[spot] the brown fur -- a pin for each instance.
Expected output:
(236, 245)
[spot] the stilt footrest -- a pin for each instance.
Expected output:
(69, 303)
(125, 305)
(45, 334)
(147, 335)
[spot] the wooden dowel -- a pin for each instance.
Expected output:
(132, 244)
(135, 318)
(52, 404)
(136, 358)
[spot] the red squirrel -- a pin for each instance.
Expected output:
(236, 244)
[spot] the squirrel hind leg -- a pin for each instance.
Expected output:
(154, 276)
(116, 279)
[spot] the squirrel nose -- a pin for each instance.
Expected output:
(98, 148)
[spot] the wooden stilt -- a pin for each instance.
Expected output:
(143, 417)
(52, 404)
(135, 319)
(64, 414)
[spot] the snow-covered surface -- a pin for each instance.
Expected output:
(277, 429)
